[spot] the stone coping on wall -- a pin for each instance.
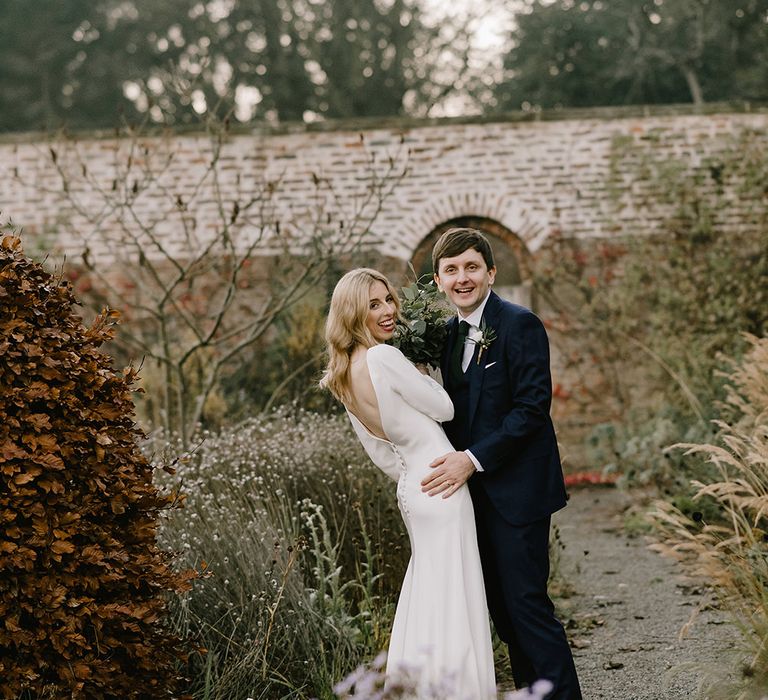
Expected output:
(405, 123)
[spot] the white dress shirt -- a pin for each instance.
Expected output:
(469, 349)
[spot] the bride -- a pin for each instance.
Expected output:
(441, 627)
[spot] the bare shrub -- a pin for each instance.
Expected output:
(203, 260)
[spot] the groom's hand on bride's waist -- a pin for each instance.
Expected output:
(449, 473)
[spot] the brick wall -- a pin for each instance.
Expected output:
(562, 172)
(577, 174)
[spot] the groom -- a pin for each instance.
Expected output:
(496, 369)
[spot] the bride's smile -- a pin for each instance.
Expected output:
(381, 313)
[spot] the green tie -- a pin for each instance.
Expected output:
(457, 374)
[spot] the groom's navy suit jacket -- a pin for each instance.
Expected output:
(506, 422)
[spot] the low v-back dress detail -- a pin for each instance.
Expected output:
(441, 632)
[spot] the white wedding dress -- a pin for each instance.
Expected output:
(441, 633)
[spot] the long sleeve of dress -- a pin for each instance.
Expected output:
(420, 391)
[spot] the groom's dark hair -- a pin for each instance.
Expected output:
(455, 241)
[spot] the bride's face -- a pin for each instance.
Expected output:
(381, 312)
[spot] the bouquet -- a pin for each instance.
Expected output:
(421, 332)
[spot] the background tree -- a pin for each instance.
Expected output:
(58, 64)
(283, 59)
(600, 52)
(85, 63)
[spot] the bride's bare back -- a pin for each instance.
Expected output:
(364, 404)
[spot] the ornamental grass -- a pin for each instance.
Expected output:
(731, 551)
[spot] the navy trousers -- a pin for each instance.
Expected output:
(515, 563)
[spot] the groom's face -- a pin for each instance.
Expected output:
(465, 280)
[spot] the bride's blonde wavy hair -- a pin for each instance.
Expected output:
(345, 326)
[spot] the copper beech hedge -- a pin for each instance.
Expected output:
(83, 585)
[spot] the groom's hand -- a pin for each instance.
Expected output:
(451, 471)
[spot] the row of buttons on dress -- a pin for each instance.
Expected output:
(401, 483)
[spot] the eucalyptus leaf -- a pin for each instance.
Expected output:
(422, 329)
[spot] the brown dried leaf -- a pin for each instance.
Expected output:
(62, 547)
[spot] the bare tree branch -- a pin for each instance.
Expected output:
(187, 294)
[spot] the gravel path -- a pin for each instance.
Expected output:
(628, 607)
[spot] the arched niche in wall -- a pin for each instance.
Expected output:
(509, 253)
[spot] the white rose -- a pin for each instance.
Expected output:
(475, 335)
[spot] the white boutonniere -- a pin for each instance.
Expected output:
(483, 337)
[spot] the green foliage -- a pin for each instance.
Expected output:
(64, 62)
(87, 64)
(306, 549)
(421, 333)
(598, 52)
(702, 281)
(643, 319)
(635, 448)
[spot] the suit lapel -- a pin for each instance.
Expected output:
(476, 370)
